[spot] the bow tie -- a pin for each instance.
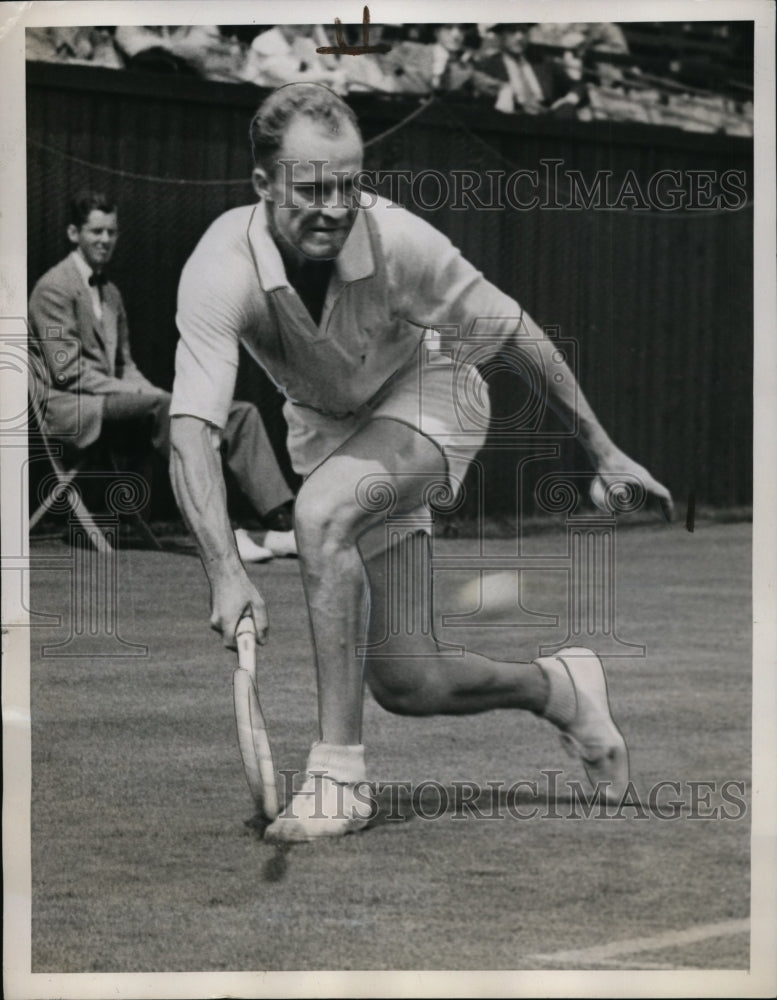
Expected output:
(97, 280)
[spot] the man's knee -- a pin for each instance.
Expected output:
(324, 519)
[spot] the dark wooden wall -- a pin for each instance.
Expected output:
(659, 304)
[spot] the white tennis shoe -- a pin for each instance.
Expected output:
(281, 543)
(248, 550)
(578, 704)
(333, 800)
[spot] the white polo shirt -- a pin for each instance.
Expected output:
(395, 278)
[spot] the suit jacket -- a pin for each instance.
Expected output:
(77, 359)
(553, 81)
(411, 66)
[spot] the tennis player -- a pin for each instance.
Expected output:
(333, 294)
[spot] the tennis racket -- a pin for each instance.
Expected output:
(251, 728)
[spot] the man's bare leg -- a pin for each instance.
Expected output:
(331, 513)
(333, 510)
(406, 669)
(410, 675)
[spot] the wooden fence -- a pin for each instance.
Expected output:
(652, 283)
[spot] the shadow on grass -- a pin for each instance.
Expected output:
(523, 800)
(275, 867)
(432, 800)
(398, 803)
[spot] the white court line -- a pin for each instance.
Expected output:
(671, 939)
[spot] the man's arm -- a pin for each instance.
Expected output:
(567, 400)
(198, 484)
(442, 289)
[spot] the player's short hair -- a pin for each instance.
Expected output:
(87, 201)
(277, 112)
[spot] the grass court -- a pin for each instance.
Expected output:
(142, 859)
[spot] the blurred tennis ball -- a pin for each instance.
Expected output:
(492, 596)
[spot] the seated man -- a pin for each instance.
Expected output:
(444, 64)
(373, 71)
(287, 53)
(74, 44)
(97, 388)
(529, 85)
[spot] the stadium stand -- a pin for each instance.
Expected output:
(693, 76)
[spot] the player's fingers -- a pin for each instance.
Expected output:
(258, 612)
(261, 624)
(226, 631)
(229, 641)
(660, 498)
(228, 636)
(666, 505)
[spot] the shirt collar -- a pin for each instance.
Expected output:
(83, 268)
(355, 261)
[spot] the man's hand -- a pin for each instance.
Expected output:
(615, 464)
(229, 599)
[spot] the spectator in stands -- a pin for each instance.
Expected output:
(211, 53)
(244, 33)
(603, 36)
(593, 40)
(409, 68)
(40, 45)
(532, 86)
(606, 37)
(92, 386)
(91, 46)
(489, 41)
(198, 50)
(572, 68)
(287, 54)
(149, 47)
(375, 71)
(443, 64)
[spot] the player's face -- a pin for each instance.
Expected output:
(96, 239)
(311, 196)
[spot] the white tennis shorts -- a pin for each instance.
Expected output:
(445, 402)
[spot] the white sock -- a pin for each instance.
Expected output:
(561, 706)
(341, 763)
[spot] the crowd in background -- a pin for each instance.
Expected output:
(585, 71)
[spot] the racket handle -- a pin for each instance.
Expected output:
(245, 636)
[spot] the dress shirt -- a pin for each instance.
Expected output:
(523, 80)
(86, 273)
